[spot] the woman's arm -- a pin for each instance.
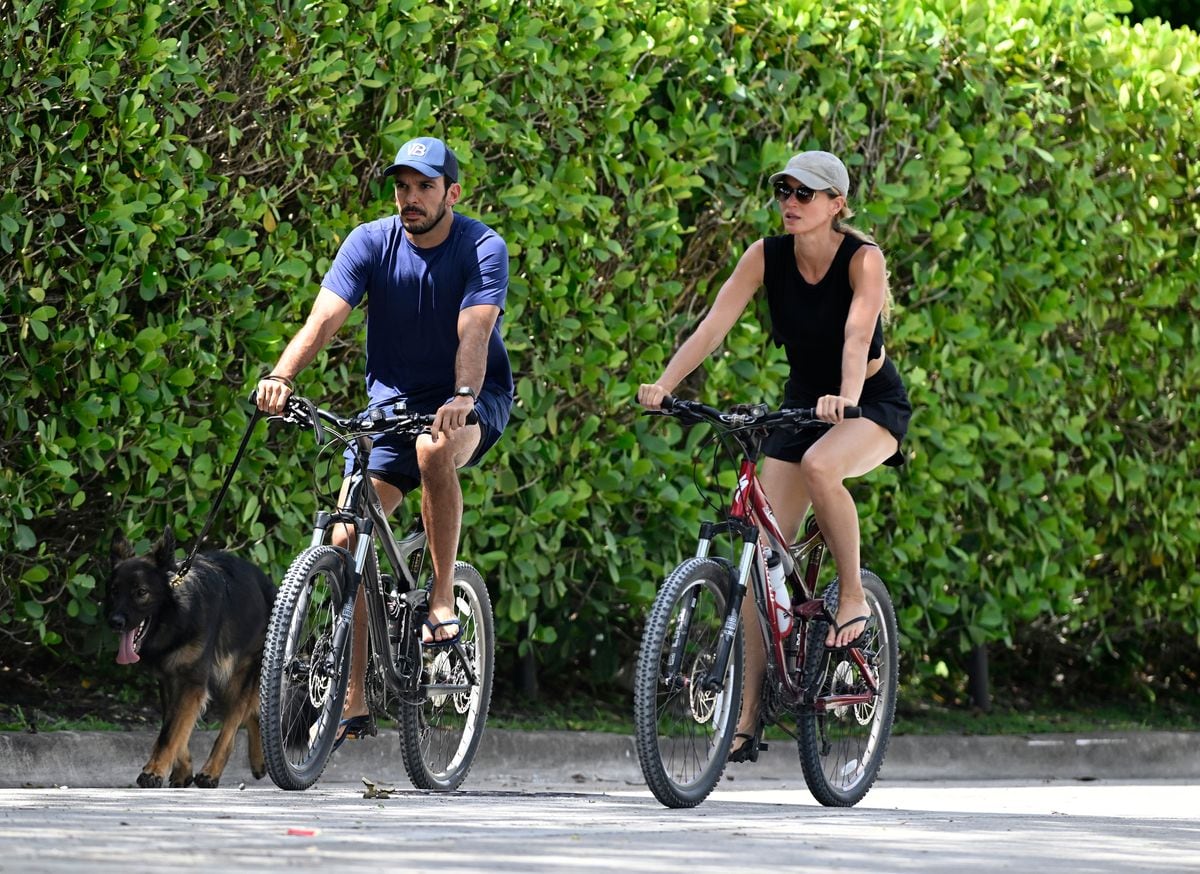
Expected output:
(868, 278)
(731, 302)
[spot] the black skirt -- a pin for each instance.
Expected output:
(883, 401)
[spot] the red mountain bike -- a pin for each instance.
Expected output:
(688, 685)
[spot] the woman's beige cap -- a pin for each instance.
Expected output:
(817, 170)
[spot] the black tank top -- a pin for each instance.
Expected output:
(809, 321)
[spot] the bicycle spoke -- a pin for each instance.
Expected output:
(302, 681)
(683, 730)
(441, 727)
(843, 739)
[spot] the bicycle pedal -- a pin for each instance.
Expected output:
(762, 745)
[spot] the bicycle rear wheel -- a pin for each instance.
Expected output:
(682, 730)
(303, 680)
(442, 724)
(842, 746)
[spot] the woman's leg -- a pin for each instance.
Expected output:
(781, 482)
(849, 449)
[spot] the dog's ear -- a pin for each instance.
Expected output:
(164, 550)
(120, 549)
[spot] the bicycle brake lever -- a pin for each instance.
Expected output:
(302, 411)
(318, 429)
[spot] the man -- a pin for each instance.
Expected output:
(436, 284)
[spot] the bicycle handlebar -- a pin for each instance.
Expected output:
(748, 415)
(301, 411)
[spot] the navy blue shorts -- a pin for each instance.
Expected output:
(394, 456)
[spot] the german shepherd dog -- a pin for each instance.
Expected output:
(203, 638)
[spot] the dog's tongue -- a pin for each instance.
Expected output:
(127, 655)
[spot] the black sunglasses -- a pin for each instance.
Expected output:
(803, 193)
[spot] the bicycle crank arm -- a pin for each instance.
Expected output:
(437, 689)
(835, 702)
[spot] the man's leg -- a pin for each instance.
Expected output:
(356, 702)
(441, 509)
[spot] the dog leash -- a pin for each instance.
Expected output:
(212, 514)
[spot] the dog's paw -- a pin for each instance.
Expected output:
(181, 782)
(205, 781)
(259, 772)
(149, 781)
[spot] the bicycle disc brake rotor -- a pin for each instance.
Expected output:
(864, 713)
(319, 681)
(842, 684)
(846, 681)
(439, 674)
(462, 700)
(702, 702)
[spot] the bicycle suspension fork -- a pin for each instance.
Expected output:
(715, 679)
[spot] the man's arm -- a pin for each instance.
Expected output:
(475, 326)
(329, 313)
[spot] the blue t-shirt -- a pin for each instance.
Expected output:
(414, 296)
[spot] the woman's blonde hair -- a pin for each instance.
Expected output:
(839, 224)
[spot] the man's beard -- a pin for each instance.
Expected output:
(424, 225)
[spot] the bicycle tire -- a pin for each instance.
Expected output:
(303, 683)
(440, 733)
(682, 732)
(842, 749)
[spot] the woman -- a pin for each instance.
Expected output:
(827, 294)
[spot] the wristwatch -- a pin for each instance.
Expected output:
(465, 391)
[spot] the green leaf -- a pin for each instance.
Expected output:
(24, 538)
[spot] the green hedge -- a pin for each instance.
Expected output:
(179, 176)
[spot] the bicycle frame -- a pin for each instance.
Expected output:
(362, 568)
(750, 516)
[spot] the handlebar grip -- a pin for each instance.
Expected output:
(254, 397)
(811, 412)
(472, 418)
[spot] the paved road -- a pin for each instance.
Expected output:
(571, 801)
(746, 825)
(567, 801)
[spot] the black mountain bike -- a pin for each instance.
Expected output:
(438, 695)
(688, 684)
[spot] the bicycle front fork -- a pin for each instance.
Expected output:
(714, 680)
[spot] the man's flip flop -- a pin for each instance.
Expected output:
(837, 629)
(748, 751)
(355, 727)
(445, 641)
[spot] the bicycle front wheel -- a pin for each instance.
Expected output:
(442, 723)
(682, 728)
(303, 680)
(844, 734)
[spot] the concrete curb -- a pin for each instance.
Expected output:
(114, 759)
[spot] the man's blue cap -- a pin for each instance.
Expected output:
(428, 156)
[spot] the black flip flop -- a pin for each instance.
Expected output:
(837, 629)
(356, 727)
(445, 641)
